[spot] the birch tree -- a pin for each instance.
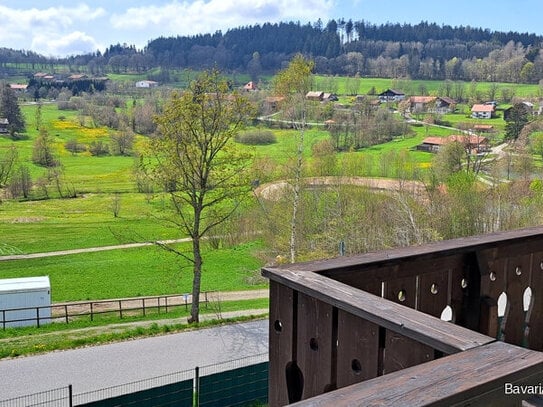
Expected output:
(293, 83)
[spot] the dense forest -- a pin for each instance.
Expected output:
(339, 47)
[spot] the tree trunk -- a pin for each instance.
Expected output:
(296, 201)
(197, 277)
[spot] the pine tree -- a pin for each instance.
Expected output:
(9, 109)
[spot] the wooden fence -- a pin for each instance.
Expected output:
(373, 321)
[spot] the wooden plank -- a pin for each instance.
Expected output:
(440, 335)
(402, 352)
(517, 280)
(315, 345)
(281, 338)
(535, 312)
(475, 377)
(492, 274)
(434, 292)
(358, 350)
(402, 291)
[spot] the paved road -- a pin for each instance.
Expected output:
(94, 368)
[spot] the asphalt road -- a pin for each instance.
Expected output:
(94, 368)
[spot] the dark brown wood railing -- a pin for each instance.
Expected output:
(373, 318)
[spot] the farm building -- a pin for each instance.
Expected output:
(391, 95)
(475, 144)
(485, 111)
(21, 300)
(146, 84)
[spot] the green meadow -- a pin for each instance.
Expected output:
(107, 182)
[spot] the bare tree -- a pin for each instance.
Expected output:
(194, 156)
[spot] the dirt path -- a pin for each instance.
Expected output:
(88, 250)
(275, 190)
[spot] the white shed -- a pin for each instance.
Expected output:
(21, 300)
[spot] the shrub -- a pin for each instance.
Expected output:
(256, 137)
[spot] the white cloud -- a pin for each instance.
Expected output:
(74, 43)
(49, 30)
(208, 16)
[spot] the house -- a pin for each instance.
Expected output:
(391, 95)
(17, 87)
(4, 125)
(485, 111)
(250, 86)
(316, 96)
(76, 77)
(445, 104)
(272, 102)
(330, 97)
(474, 143)
(418, 104)
(483, 128)
(146, 84)
(440, 104)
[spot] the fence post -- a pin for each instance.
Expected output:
(38, 316)
(4, 319)
(196, 387)
(120, 309)
(143, 305)
(92, 312)
(70, 395)
(166, 299)
(66, 313)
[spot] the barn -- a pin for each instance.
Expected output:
(25, 301)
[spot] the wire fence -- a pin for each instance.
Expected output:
(238, 382)
(51, 398)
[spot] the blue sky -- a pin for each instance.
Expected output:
(67, 27)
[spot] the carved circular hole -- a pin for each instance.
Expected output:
(464, 283)
(492, 276)
(278, 326)
(313, 344)
(401, 295)
(356, 366)
(434, 289)
(518, 271)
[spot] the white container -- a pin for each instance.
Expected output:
(20, 299)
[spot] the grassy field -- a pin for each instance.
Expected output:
(140, 272)
(88, 220)
(342, 86)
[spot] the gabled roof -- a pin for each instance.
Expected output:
(393, 91)
(314, 94)
(471, 139)
(483, 108)
(447, 100)
(250, 86)
(422, 99)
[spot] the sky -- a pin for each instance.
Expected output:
(71, 27)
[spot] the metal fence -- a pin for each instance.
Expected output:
(234, 383)
(51, 398)
(66, 312)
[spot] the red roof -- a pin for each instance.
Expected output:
(483, 108)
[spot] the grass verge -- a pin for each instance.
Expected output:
(27, 341)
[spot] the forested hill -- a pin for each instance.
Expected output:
(420, 51)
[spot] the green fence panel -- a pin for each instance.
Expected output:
(175, 394)
(239, 387)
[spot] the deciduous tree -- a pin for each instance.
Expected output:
(194, 155)
(293, 83)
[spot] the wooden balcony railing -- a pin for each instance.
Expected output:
(366, 330)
